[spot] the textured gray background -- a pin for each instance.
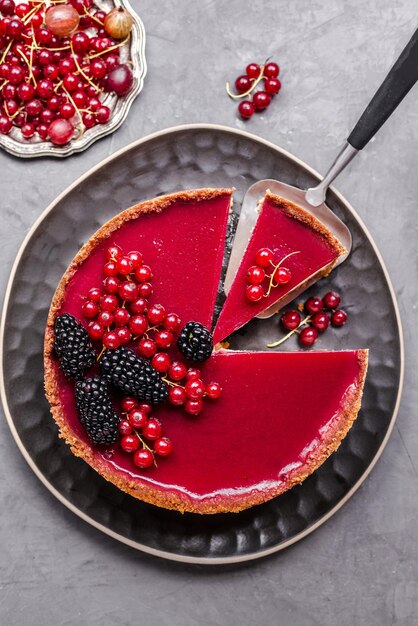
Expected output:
(362, 566)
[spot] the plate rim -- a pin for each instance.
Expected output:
(135, 544)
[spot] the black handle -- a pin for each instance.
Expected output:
(392, 91)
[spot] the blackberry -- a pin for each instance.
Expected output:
(95, 410)
(195, 342)
(133, 375)
(72, 346)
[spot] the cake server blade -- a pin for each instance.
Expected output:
(398, 82)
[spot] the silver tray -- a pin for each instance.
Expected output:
(134, 52)
(179, 158)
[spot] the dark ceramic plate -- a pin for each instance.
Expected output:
(181, 158)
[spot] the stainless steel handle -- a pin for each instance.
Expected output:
(316, 195)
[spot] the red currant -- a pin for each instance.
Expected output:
(242, 84)
(177, 371)
(110, 269)
(331, 300)
(147, 348)
(313, 305)
(156, 314)
(145, 290)
(164, 339)
(282, 275)
(124, 335)
(60, 131)
(128, 290)
(111, 284)
(137, 418)
(261, 100)
(138, 325)
(146, 407)
(195, 389)
(255, 275)
(124, 427)
(271, 70)
(139, 306)
(90, 309)
(246, 109)
(109, 302)
(253, 70)
(320, 321)
(94, 294)
(28, 130)
(272, 86)
(192, 373)
(308, 336)
(121, 317)
(114, 252)
(135, 258)
(193, 407)
(163, 446)
(290, 320)
(111, 340)
(95, 331)
(143, 458)
(338, 317)
(143, 274)
(172, 322)
(264, 257)
(152, 429)
(128, 403)
(161, 362)
(254, 293)
(124, 265)
(105, 318)
(129, 443)
(213, 390)
(177, 396)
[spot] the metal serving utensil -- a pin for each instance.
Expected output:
(401, 77)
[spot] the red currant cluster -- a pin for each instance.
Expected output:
(257, 274)
(137, 427)
(56, 61)
(120, 312)
(320, 312)
(246, 84)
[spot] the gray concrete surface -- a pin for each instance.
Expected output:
(361, 567)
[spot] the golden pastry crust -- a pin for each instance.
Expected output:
(146, 492)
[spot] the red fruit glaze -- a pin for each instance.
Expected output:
(297, 424)
(283, 233)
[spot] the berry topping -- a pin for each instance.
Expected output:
(255, 275)
(161, 362)
(152, 429)
(133, 375)
(282, 276)
(254, 293)
(72, 346)
(213, 390)
(177, 395)
(137, 418)
(177, 371)
(195, 389)
(143, 458)
(156, 314)
(129, 443)
(163, 446)
(264, 257)
(95, 410)
(128, 403)
(195, 342)
(193, 407)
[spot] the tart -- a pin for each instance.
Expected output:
(298, 241)
(267, 423)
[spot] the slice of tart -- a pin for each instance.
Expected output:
(279, 417)
(288, 248)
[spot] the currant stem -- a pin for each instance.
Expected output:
(295, 330)
(276, 267)
(237, 96)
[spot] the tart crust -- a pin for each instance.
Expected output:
(146, 492)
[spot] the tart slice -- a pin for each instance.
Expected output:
(287, 248)
(279, 417)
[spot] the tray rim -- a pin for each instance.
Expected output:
(9, 418)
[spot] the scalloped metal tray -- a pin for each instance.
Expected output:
(134, 52)
(179, 158)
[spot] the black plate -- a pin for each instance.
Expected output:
(181, 158)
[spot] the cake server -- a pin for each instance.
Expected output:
(402, 76)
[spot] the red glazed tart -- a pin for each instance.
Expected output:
(262, 435)
(297, 241)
